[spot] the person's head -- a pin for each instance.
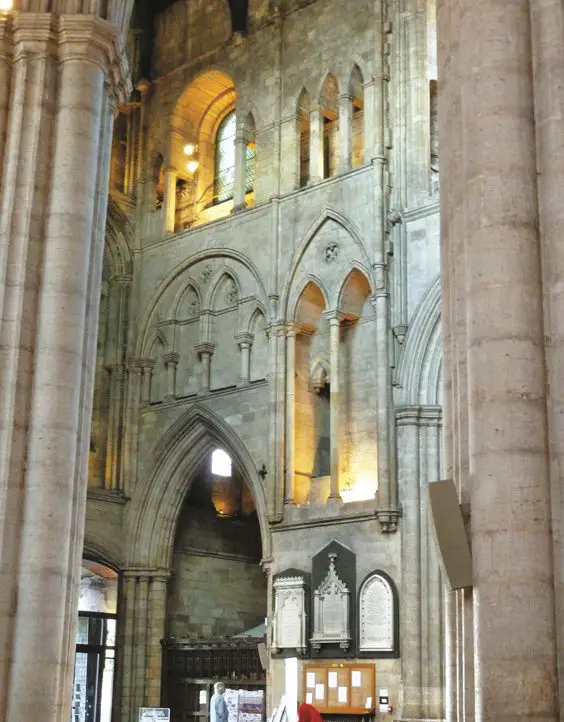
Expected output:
(219, 687)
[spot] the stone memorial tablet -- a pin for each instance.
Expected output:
(289, 625)
(331, 611)
(376, 615)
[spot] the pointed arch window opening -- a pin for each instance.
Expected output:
(225, 159)
(221, 464)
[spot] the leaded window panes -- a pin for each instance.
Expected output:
(225, 159)
(250, 168)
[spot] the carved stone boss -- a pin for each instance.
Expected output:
(289, 627)
(376, 615)
(331, 611)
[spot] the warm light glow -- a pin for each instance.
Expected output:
(6, 5)
(362, 489)
(221, 463)
(192, 166)
(189, 148)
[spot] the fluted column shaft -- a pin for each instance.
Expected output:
(52, 220)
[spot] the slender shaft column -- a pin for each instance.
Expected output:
(335, 401)
(133, 398)
(170, 199)
(148, 368)
(240, 167)
(315, 145)
(245, 343)
(205, 352)
(290, 495)
(171, 362)
(345, 133)
(277, 364)
(408, 420)
(369, 119)
(52, 219)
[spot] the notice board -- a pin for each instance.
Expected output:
(339, 687)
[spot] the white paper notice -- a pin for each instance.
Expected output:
(356, 678)
(368, 704)
(203, 696)
(309, 698)
(319, 691)
(343, 695)
(333, 680)
(310, 680)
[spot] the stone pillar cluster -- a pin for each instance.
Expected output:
(500, 94)
(143, 610)
(62, 78)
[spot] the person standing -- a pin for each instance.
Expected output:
(218, 705)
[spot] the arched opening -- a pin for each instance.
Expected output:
(96, 635)
(358, 403)
(356, 92)
(303, 114)
(312, 393)
(329, 110)
(202, 150)
(217, 594)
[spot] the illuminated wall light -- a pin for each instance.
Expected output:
(192, 166)
(189, 148)
(6, 6)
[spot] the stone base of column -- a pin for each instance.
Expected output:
(239, 207)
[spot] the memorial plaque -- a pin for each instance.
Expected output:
(331, 611)
(376, 615)
(289, 625)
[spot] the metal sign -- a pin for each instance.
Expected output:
(154, 714)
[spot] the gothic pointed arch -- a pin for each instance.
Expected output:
(146, 324)
(328, 215)
(419, 369)
(119, 241)
(177, 456)
(353, 293)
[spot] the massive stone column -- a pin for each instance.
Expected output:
(491, 244)
(547, 21)
(66, 77)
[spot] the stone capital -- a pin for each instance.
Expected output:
(171, 358)
(205, 349)
(244, 339)
(334, 317)
(75, 38)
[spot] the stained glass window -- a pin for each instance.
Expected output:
(225, 159)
